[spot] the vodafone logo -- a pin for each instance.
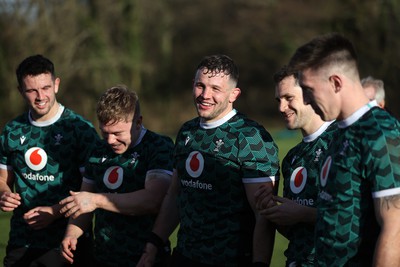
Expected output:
(298, 180)
(36, 158)
(195, 164)
(113, 177)
(325, 171)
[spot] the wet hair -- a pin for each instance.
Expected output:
(116, 104)
(215, 64)
(324, 50)
(34, 65)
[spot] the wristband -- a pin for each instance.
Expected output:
(260, 264)
(159, 243)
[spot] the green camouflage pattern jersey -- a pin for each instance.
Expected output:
(47, 159)
(119, 238)
(213, 161)
(300, 170)
(360, 165)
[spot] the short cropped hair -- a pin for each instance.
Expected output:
(324, 50)
(34, 65)
(118, 104)
(284, 72)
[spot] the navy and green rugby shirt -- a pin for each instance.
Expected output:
(119, 238)
(213, 161)
(300, 170)
(47, 159)
(361, 164)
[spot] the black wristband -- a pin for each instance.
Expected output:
(156, 240)
(260, 264)
(159, 243)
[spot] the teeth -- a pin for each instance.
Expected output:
(205, 104)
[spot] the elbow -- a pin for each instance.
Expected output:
(154, 209)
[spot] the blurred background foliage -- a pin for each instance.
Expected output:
(154, 47)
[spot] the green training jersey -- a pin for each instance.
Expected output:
(213, 161)
(300, 170)
(47, 159)
(361, 164)
(119, 238)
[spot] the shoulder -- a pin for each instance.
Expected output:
(195, 122)
(79, 121)
(378, 124)
(248, 128)
(190, 125)
(17, 123)
(157, 139)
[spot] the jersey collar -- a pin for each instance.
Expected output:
(315, 135)
(356, 115)
(215, 124)
(48, 122)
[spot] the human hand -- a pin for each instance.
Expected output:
(148, 256)
(9, 201)
(39, 217)
(286, 212)
(264, 197)
(78, 203)
(68, 246)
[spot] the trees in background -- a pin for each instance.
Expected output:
(154, 47)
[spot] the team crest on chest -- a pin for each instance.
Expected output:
(298, 180)
(195, 164)
(58, 138)
(36, 158)
(218, 144)
(113, 177)
(317, 155)
(135, 157)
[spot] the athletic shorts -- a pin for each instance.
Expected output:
(179, 260)
(38, 257)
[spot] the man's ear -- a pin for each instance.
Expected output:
(234, 94)
(336, 82)
(56, 84)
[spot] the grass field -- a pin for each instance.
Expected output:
(284, 139)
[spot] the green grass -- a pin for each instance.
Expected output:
(284, 139)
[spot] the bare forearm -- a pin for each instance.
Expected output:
(4, 187)
(263, 240)
(167, 219)
(387, 211)
(386, 251)
(308, 214)
(76, 227)
(135, 203)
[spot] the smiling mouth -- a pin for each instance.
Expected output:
(40, 103)
(204, 104)
(288, 115)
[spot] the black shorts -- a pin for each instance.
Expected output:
(36, 257)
